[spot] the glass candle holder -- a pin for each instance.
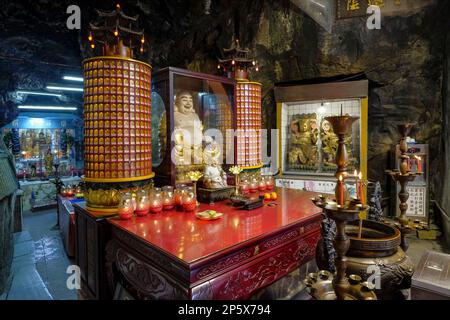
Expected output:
(245, 188)
(70, 192)
(253, 187)
(168, 198)
(125, 209)
(262, 184)
(156, 201)
(178, 195)
(189, 200)
(269, 182)
(142, 203)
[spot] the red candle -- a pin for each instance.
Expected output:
(178, 197)
(419, 165)
(341, 191)
(253, 187)
(190, 205)
(244, 189)
(168, 204)
(361, 191)
(156, 206)
(142, 209)
(125, 213)
(262, 185)
(269, 184)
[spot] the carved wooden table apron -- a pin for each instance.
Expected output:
(173, 255)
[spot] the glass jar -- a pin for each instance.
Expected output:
(178, 195)
(262, 184)
(79, 192)
(253, 185)
(156, 201)
(69, 191)
(125, 209)
(245, 187)
(189, 200)
(168, 198)
(142, 203)
(269, 182)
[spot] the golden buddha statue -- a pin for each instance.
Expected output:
(188, 130)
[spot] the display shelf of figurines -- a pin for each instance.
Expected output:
(188, 104)
(117, 119)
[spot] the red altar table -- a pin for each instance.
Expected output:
(174, 255)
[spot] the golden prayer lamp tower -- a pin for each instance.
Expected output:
(117, 113)
(248, 105)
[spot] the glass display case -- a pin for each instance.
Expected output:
(307, 144)
(191, 112)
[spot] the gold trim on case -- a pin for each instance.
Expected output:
(243, 81)
(252, 167)
(120, 179)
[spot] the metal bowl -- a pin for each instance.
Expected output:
(378, 239)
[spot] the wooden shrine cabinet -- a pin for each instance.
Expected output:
(92, 234)
(212, 102)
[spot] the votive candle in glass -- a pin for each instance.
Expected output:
(262, 184)
(269, 183)
(253, 185)
(178, 195)
(245, 187)
(142, 203)
(125, 209)
(156, 201)
(189, 200)
(168, 198)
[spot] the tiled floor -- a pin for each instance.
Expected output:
(51, 259)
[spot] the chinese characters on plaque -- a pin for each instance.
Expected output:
(416, 201)
(358, 8)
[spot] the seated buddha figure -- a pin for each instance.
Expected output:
(188, 128)
(214, 176)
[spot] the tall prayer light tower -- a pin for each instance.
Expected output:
(237, 64)
(117, 112)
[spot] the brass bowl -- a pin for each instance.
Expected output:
(378, 239)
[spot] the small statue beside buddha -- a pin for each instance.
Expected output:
(214, 176)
